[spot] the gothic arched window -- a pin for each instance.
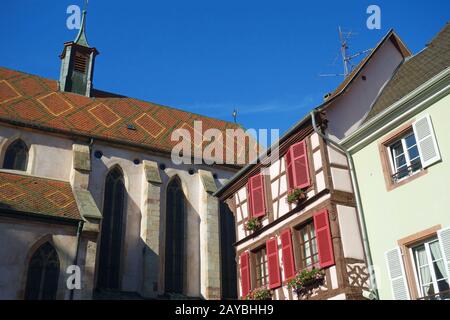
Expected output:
(16, 156)
(43, 274)
(111, 232)
(175, 238)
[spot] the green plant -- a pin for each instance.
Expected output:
(306, 280)
(252, 224)
(296, 195)
(259, 294)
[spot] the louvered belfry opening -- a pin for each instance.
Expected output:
(80, 62)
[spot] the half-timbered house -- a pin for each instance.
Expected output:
(319, 232)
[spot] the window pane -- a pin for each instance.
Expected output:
(410, 141)
(413, 153)
(400, 162)
(435, 250)
(421, 256)
(397, 149)
(443, 286)
(428, 290)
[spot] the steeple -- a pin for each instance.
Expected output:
(77, 63)
(81, 37)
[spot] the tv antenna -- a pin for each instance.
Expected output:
(346, 57)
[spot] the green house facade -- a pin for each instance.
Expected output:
(401, 155)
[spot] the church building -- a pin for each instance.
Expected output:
(87, 180)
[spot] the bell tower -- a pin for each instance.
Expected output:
(77, 64)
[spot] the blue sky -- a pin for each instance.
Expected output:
(208, 57)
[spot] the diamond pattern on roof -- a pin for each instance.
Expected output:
(150, 125)
(59, 199)
(7, 92)
(104, 115)
(55, 104)
(9, 192)
(35, 195)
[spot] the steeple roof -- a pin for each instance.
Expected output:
(81, 37)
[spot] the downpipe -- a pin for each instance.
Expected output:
(75, 260)
(373, 295)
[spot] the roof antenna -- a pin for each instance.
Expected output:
(346, 57)
(234, 114)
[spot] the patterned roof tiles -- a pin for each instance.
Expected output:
(33, 100)
(37, 196)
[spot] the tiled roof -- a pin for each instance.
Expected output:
(37, 196)
(415, 71)
(36, 101)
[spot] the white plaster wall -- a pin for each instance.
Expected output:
(341, 179)
(17, 237)
(348, 111)
(49, 156)
(132, 268)
(350, 235)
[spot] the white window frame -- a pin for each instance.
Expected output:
(417, 275)
(394, 168)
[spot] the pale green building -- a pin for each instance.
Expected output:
(401, 156)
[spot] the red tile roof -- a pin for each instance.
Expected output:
(36, 101)
(37, 196)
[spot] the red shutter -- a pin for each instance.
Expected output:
(297, 166)
(288, 254)
(257, 196)
(245, 273)
(289, 171)
(323, 237)
(249, 198)
(272, 263)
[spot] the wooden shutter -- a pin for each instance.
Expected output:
(444, 240)
(258, 196)
(297, 166)
(245, 273)
(249, 198)
(397, 274)
(323, 238)
(426, 141)
(288, 254)
(273, 263)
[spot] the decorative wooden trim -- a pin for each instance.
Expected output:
(405, 244)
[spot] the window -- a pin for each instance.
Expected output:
(261, 268)
(297, 166)
(175, 238)
(408, 151)
(405, 158)
(16, 156)
(309, 254)
(111, 232)
(43, 274)
(431, 271)
(256, 196)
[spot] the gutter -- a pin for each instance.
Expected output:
(374, 291)
(75, 260)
